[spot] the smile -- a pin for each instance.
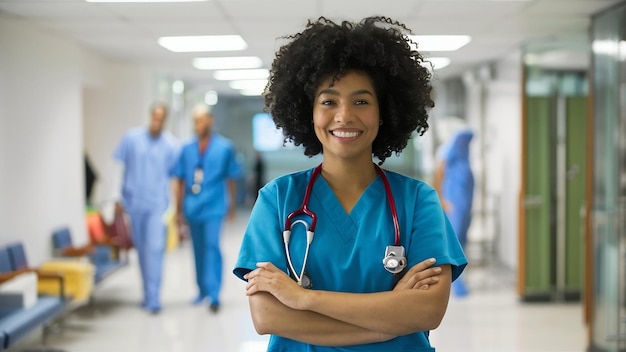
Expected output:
(345, 134)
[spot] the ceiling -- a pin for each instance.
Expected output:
(129, 31)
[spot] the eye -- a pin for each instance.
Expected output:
(361, 102)
(327, 102)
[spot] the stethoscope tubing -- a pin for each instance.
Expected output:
(310, 229)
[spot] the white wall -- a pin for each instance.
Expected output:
(42, 177)
(494, 101)
(43, 78)
(503, 156)
(116, 97)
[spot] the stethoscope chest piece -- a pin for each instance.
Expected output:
(305, 281)
(395, 259)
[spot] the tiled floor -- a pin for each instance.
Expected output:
(490, 319)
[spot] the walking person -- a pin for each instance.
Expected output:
(206, 174)
(148, 155)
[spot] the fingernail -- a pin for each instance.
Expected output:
(425, 287)
(431, 260)
(437, 269)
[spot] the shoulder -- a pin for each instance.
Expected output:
(411, 190)
(169, 138)
(281, 184)
(222, 141)
(188, 148)
(134, 133)
(398, 180)
(132, 137)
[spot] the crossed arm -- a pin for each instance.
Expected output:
(280, 307)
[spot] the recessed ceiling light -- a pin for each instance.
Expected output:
(145, 0)
(251, 92)
(436, 62)
(225, 63)
(200, 43)
(440, 42)
(178, 87)
(230, 75)
(211, 97)
(251, 84)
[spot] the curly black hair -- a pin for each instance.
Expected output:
(377, 46)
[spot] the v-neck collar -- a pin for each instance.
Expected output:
(347, 225)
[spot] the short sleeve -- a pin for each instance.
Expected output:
(234, 168)
(178, 169)
(175, 156)
(433, 236)
(121, 152)
(262, 240)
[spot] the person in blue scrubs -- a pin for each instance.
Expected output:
(351, 91)
(148, 155)
(206, 174)
(454, 182)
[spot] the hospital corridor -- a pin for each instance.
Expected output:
(490, 319)
(357, 175)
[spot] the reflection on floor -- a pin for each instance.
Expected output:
(489, 319)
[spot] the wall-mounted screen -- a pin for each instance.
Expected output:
(265, 136)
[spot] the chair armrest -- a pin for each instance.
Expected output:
(52, 275)
(4, 277)
(77, 251)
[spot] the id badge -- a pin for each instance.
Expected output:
(198, 175)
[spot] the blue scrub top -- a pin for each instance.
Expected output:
(458, 184)
(347, 250)
(218, 163)
(148, 163)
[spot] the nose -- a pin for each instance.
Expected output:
(343, 113)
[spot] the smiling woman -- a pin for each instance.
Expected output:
(351, 91)
(345, 116)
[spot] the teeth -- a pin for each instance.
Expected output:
(343, 134)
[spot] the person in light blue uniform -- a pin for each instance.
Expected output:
(455, 183)
(148, 155)
(206, 172)
(375, 274)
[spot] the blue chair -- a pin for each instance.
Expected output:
(99, 255)
(5, 261)
(17, 256)
(17, 323)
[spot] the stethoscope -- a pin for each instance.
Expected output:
(394, 260)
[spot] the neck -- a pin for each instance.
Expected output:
(357, 174)
(204, 137)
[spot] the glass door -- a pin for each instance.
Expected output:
(608, 274)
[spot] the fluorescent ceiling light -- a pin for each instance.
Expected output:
(225, 63)
(251, 92)
(252, 84)
(145, 0)
(231, 75)
(203, 43)
(437, 62)
(211, 97)
(440, 42)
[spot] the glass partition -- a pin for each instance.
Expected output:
(609, 191)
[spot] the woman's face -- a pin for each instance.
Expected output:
(346, 116)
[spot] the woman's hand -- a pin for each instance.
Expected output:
(268, 278)
(421, 276)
